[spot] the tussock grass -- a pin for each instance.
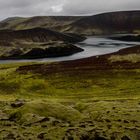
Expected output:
(134, 58)
(53, 109)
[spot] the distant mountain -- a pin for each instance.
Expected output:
(10, 23)
(53, 22)
(106, 23)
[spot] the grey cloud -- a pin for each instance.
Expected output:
(99, 6)
(10, 8)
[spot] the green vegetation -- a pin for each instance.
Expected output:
(134, 58)
(63, 105)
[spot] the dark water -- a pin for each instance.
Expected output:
(92, 46)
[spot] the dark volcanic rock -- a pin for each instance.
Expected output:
(35, 52)
(10, 136)
(41, 136)
(125, 138)
(98, 137)
(127, 38)
(18, 103)
(60, 50)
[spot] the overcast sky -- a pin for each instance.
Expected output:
(10, 8)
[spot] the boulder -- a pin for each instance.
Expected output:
(18, 103)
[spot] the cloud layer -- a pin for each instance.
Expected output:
(9, 8)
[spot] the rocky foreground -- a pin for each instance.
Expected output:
(45, 120)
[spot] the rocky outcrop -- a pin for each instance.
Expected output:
(43, 51)
(18, 103)
(62, 50)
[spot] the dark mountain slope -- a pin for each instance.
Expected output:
(107, 23)
(37, 35)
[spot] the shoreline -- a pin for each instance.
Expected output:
(100, 62)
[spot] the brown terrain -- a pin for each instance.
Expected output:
(88, 64)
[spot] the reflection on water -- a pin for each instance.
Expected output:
(92, 46)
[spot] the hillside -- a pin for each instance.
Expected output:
(106, 23)
(37, 35)
(49, 43)
(53, 22)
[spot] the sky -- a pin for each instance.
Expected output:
(27, 8)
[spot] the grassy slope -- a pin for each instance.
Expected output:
(78, 101)
(53, 22)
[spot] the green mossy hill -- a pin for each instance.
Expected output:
(53, 22)
(44, 119)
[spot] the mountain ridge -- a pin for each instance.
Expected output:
(103, 23)
(108, 23)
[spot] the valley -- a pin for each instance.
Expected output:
(70, 78)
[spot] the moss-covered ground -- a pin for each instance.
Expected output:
(90, 105)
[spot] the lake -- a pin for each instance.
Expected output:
(92, 46)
